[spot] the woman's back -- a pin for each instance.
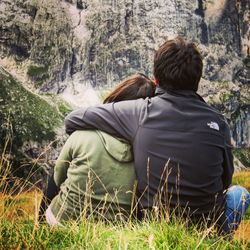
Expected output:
(95, 172)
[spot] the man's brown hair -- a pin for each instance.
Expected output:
(178, 65)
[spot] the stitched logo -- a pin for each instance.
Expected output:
(213, 125)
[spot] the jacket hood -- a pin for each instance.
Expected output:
(118, 148)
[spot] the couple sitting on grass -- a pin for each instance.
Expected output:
(153, 146)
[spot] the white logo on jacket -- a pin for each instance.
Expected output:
(213, 125)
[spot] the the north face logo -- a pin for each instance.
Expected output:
(213, 125)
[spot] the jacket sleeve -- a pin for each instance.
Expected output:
(63, 163)
(228, 166)
(119, 119)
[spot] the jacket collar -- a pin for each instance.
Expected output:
(182, 93)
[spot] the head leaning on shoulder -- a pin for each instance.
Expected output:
(178, 65)
(135, 87)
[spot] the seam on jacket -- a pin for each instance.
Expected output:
(139, 122)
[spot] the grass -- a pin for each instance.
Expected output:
(243, 179)
(19, 227)
(243, 154)
(152, 234)
(19, 230)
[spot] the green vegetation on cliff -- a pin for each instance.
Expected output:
(38, 73)
(24, 117)
(34, 70)
(30, 116)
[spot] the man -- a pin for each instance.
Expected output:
(182, 150)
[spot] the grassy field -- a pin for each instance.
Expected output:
(19, 230)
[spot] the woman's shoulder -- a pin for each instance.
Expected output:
(83, 133)
(99, 141)
(82, 138)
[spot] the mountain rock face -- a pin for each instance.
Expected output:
(51, 44)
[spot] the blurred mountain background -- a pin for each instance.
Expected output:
(58, 55)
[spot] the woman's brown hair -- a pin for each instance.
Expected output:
(135, 87)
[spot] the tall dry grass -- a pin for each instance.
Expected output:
(19, 227)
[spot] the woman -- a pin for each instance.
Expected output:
(95, 171)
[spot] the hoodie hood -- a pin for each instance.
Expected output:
(118, 148)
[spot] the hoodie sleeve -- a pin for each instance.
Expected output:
(228, 166)
(119, 119)
(63, 162)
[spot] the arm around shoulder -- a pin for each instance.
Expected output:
(74, 121)
(119, 119)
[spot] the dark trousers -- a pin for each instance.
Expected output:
(51, 191)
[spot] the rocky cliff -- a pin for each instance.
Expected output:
(52, 45)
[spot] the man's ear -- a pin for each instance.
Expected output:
(155, 81)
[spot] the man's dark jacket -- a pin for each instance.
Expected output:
(181, 147)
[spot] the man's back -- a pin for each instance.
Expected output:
(179, 153)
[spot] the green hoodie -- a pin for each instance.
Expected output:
(95, 172)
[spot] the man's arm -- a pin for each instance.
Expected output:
(228, 165)
(120, 119)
